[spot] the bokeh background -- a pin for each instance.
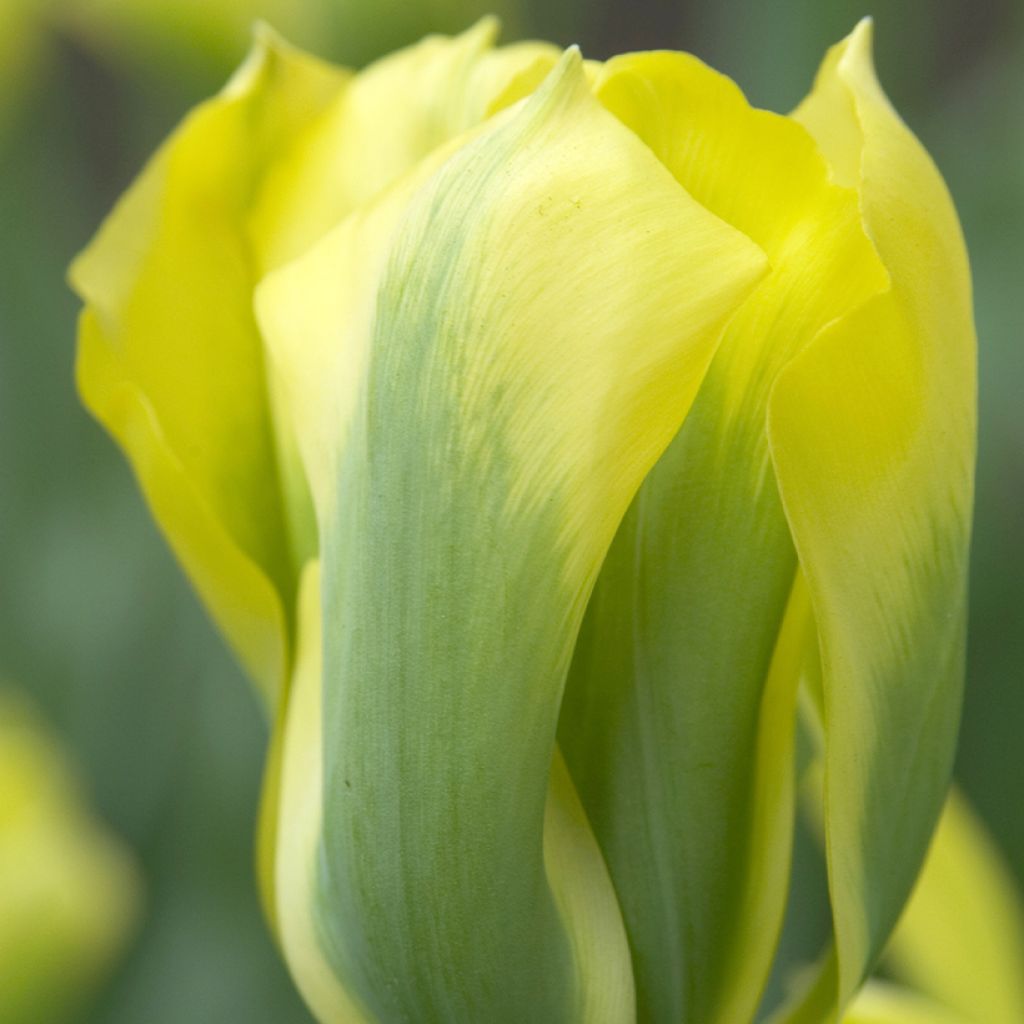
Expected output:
(97, 623)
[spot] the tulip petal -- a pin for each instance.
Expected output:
(677, 719)
(872, 433)
(527, 335)
(170, 359)
(299, 820)
(961, 937)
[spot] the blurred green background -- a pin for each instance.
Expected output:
(96, 620)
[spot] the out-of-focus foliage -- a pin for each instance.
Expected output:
(98, 616)
(68, 891)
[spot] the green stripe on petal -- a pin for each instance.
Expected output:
(535, 324)
(170, 360)
(872, 432)
(672, 702)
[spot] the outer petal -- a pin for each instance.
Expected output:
(872, 432)
(170, 360)
(961, 936)
(534, 324)
(677, 722)
(887, 1004)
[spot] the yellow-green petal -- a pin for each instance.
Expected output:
(480, 403)
(299, 820)
(677, 718)
(872, 434)
(171, 362)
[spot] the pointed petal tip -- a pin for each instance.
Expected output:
(572, 58)
(567, 78)
(858, 47)
(488, 27)
(264, 40)
(262, 32)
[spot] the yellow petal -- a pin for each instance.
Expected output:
(170, 360)
(425, 95)
(299, 819)
(872, 433)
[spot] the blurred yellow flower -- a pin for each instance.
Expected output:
(69, 892)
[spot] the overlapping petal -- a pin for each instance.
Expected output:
(677, 721)
(872, 437)
(170, 359)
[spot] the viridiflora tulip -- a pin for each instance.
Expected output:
(534, 430)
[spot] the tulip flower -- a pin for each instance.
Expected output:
(68, 890)
(536, 430)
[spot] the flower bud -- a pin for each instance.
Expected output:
(534, 429)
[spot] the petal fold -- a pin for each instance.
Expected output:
(677, 721)
(872, 432)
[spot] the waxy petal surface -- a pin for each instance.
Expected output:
(516, 357)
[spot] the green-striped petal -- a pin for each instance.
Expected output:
(525, 332)
(170, 359)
